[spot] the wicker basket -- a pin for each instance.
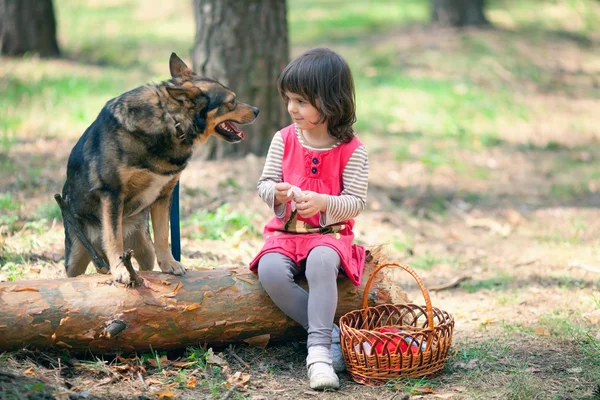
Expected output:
(395, 340)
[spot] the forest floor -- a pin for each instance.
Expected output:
(490, 189)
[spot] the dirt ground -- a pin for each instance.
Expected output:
(523, 264)
(508, 246)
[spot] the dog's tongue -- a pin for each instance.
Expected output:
(228, 126)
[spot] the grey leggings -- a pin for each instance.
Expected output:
(314, 310)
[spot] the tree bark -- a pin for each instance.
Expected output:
(244, 45)
(459, 13)
(28, 26)
(214, 307)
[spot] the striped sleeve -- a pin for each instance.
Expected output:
(272, 175)
(353, 198)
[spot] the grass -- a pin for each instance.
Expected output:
(428, 261)
(49, 211)
(8, 203)
(498, 282)
(353, 20)
(220, 224)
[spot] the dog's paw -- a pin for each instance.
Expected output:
(121, 275)
(172, 267)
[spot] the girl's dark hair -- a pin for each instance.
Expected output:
(323, 75)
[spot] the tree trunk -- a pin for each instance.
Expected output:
(459, 13)
(27, 26)
(215, 307)
(244, 45)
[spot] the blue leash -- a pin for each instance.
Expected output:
(174, 218)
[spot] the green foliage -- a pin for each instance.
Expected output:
(197, 355)
(523, 385)
(219, 224)
(8, 203)
(496, 283)
(13, 270)
(428, 261)
(404, 243)
(410, 386)
(311, 21)
(49, 211)
(489, 350)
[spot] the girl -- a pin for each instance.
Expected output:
(315, 181)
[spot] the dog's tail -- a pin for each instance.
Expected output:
(72, 223)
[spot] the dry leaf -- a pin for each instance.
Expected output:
(239, 278)
(540, 331)
(260, 341)
(239, 379)
(152, 381)
(191, 383)
(212, 358)
(164, 394)
(487, 321)
(26, 289)
(29, 371)
(155, 302)
(183, 364)
(191, 307)
(424, 390)
(122, 368)
(178, 287)
(163, 361)
(593, 317)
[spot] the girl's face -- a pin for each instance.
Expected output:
(302, 112)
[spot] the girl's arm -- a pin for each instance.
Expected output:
(272, 175)
(353, 198)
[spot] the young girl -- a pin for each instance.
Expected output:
(315, 181)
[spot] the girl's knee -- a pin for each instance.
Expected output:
(272, 270)
(322, 262)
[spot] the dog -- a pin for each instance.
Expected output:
(124, 167)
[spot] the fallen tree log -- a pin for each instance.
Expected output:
(214, 307)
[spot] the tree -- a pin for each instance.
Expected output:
(459, 13)
(28, 26)
(244, 45)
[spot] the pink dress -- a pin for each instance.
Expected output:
(295, 237)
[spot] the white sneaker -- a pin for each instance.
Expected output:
(320, 371)
(337, 357)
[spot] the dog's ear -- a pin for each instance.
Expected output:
(182, 93)
(178, 67)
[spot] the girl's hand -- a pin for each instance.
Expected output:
(310, 203)
(281, 193)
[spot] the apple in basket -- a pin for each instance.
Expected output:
(393, 343)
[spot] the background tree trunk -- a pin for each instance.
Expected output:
(459, 13)
(28, 26)
(244, 45)
(216, 307)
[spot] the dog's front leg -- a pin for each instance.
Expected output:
(112, 235)
(160, 225)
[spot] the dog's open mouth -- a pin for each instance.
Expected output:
(229, 131)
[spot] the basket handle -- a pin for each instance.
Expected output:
(416, 278)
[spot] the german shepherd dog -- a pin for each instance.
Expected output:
(125, 165)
